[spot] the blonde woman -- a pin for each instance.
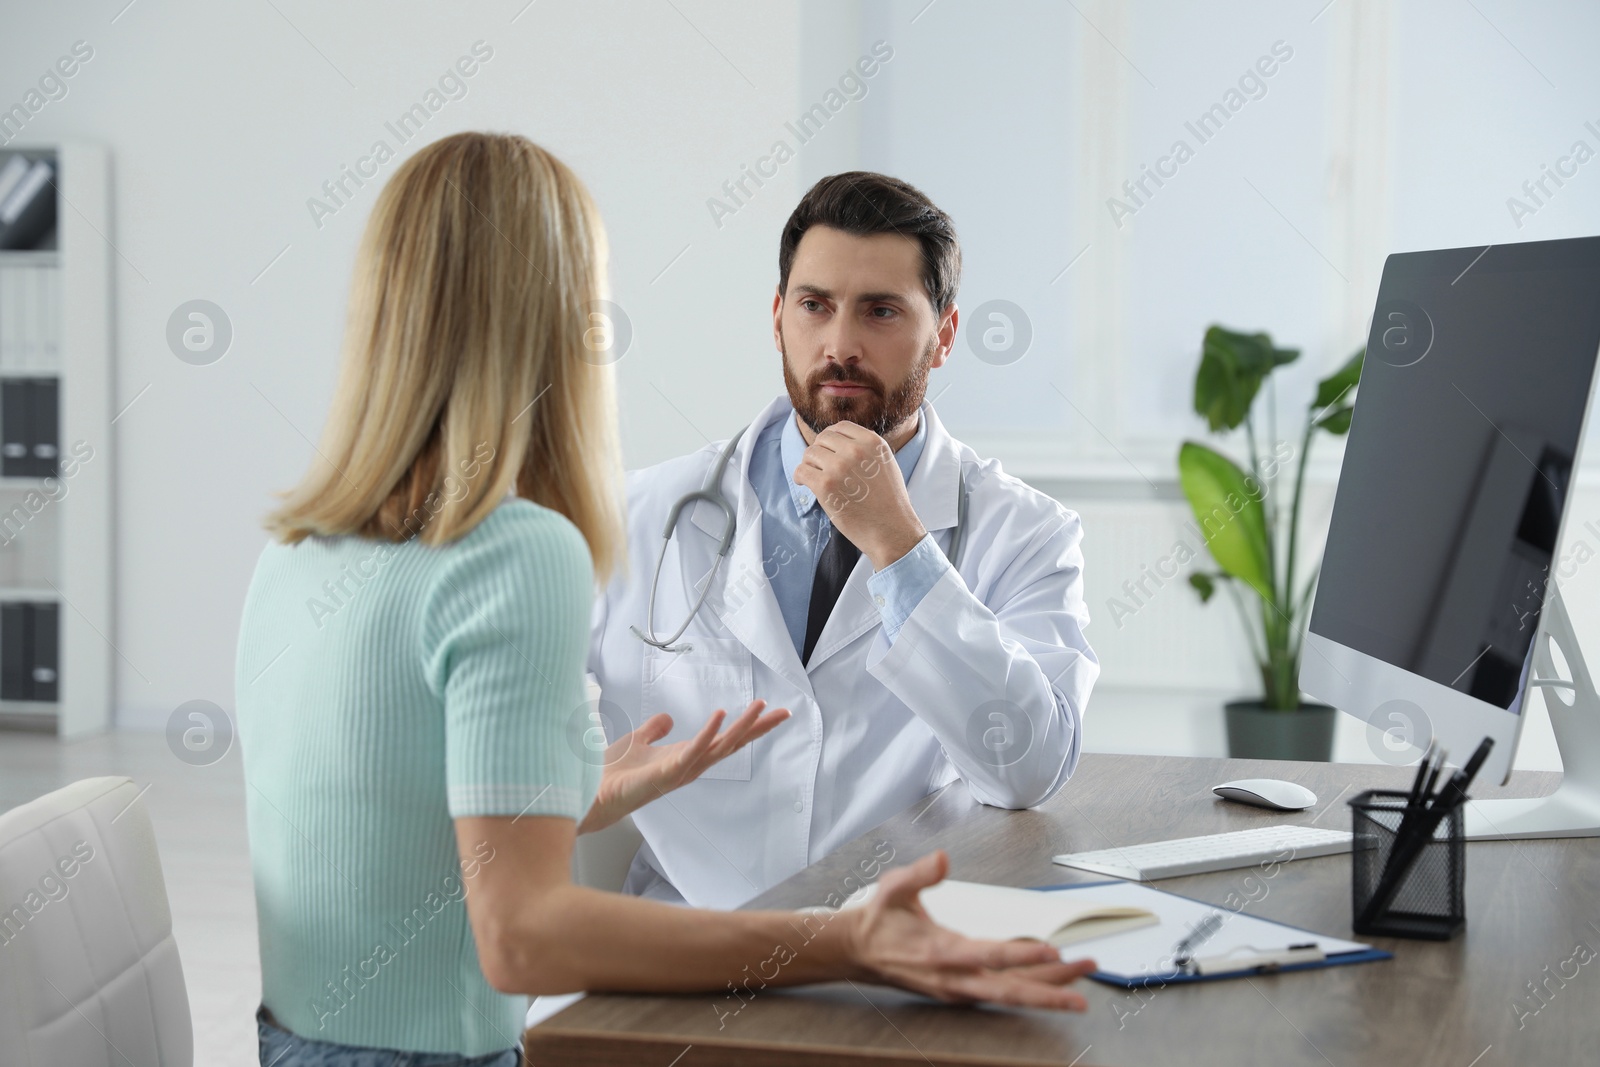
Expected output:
(410, 669)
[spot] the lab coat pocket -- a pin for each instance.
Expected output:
(689, 686)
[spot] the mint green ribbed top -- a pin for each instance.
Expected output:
(383, 690)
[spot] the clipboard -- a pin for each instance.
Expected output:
(1179, 914)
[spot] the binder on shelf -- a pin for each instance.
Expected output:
(46, 659)
(30, 419)
(30, 323)
(28, 213)
(27, 316)
(50, 320)
(16, 670)
(10, 298)
(15, 426)
(30, 651)
(46, 444)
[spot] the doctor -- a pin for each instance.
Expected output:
(842, 505)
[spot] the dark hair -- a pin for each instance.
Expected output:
(863, 203)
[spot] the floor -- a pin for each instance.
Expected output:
(199, 821)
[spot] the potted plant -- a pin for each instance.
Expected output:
(1241, 517)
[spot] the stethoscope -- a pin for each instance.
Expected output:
(711, 493)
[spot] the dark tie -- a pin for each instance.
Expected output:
(833, 570)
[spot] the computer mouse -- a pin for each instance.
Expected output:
(1267, 793)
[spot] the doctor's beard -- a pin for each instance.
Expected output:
(880, 411)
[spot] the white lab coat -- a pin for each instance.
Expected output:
(987, 679)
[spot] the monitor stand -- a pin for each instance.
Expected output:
(1573, 810)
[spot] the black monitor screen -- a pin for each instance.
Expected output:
(1461, 451)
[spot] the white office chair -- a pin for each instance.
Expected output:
(89, 973)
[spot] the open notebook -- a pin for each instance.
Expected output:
(1003, 913)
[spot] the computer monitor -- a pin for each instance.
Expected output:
(1438, 581)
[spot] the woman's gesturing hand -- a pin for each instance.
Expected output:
(898, 944)
(637, 770)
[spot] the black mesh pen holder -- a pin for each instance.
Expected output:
(1406, 888)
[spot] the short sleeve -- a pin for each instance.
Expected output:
(506, 638)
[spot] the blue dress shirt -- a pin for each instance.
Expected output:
(795, 529)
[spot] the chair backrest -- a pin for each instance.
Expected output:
(89, 972)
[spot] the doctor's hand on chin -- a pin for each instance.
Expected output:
(898, 944)
(637, 770)
(853, 475)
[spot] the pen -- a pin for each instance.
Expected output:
(1182, 952)
(1456, 788)
(1439, 760)
(1422, 773)
(1259, 961)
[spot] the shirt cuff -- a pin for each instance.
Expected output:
(900, 587)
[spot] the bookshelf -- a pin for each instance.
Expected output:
(55, 528)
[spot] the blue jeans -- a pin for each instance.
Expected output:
(282, 1048)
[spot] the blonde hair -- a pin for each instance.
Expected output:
(467, 368)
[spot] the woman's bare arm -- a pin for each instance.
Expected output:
(538, 933)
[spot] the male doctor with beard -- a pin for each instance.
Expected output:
(837, 597)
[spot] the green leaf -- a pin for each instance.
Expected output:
(1232, 368)
(1335, 386)
(1337, 421)
(1230, 515)
(1205, 584)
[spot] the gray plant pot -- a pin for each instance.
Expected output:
(1258, 732)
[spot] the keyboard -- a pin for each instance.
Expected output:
(1214, 852)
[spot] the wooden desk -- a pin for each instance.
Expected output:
(1530, 905)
